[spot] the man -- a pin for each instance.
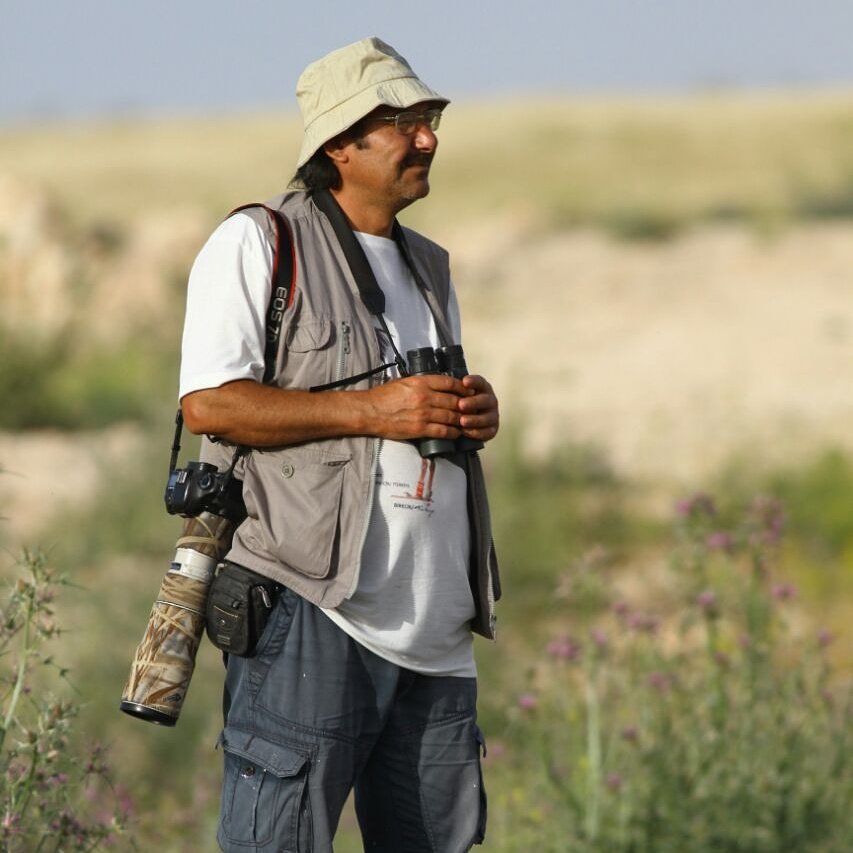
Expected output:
(364, 675)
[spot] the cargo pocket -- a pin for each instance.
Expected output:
(481, 754)
(294, 498)
(265, 802)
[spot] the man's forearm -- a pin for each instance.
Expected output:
(248, 412)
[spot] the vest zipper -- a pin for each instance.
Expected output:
(344, 350)
(374, 466)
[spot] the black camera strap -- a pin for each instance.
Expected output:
(371, 294)
(368, 288)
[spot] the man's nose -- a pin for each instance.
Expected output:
(424, 138)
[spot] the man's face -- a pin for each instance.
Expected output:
(385, 164)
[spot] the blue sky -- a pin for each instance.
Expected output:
(91, 58)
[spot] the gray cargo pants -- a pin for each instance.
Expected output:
(314, 714)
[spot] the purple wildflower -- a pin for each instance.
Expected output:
(125, 802)
(614, 782)
(497, 748)
(769, 518)
(722, 659)
(644, 622)
(707, 602)
(695, 505)
(620, 609)
(630, 733)
(824, 637)
(658, 681)
(599, 637)
(15, 772)
(719, 540)
(527, 702)
(784, 591)
(97, 760)
(563, 648)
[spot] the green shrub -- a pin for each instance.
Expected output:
(56, 384)
(704, 724)
(688, 714)
(643, 225)
(51, 797)
(817, 494)
(548, 512)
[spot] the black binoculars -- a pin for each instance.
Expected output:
(449, 361)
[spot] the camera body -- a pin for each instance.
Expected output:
(201, 487)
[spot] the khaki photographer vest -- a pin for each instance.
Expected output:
(309, 505)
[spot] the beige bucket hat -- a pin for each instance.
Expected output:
(336, 91)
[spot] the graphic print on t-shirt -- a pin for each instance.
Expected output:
(417, 497)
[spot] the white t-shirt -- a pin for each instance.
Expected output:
(413, 601)
(227, 299)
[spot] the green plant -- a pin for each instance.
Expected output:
(704, 723)
(51, 798)
(548, 512)
(56, 383)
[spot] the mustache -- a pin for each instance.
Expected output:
(417, 159)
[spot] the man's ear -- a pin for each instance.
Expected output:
(337, 149)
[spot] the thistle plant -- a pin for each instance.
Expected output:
(702, 720)
(51, 799)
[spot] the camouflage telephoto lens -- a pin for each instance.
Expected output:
(165, 659)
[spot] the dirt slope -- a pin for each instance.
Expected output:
(670, 356)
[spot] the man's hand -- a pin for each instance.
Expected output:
(480, 418)
(425, 406)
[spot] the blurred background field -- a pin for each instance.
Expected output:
(661, 290)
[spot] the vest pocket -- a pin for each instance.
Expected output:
(294, 497)
(310, 334)
(308, 354)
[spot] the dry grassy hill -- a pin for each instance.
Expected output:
(670, 280)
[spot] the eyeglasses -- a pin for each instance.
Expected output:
(407, 122)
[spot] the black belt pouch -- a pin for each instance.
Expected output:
(239, 604)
